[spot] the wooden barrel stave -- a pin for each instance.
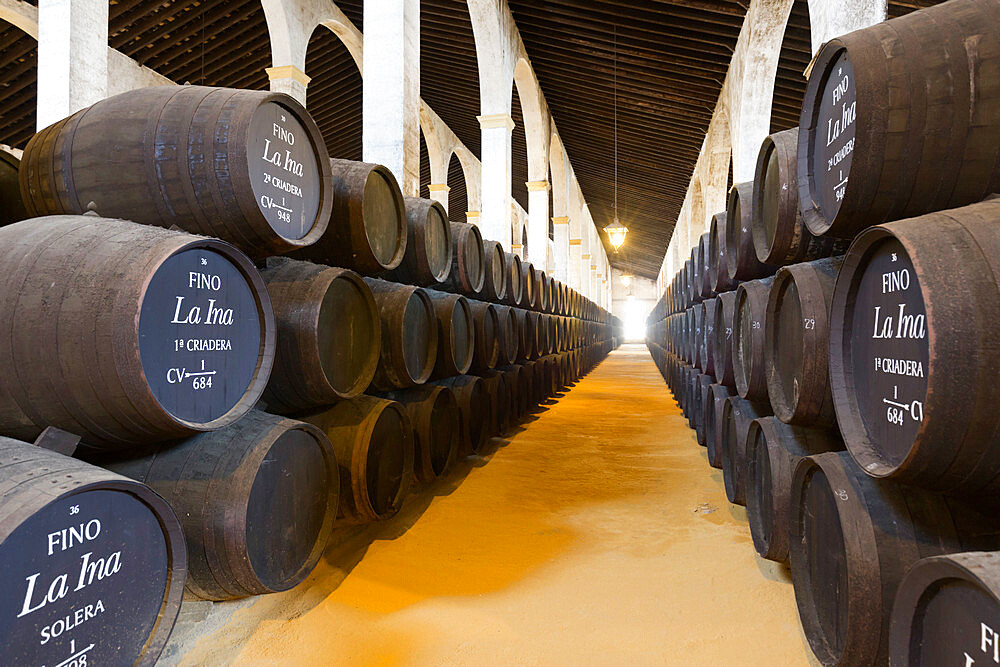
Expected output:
(409, 335)
(737, 415)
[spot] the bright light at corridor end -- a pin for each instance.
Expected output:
(634, 320)
(616, 234)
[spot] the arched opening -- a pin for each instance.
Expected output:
(425, 168)
(458, 195)
(518, 153)
(19, 85)
(790, 79)
(334, 95)
(524, 243)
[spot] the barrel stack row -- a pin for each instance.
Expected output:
(833, 343)
(222, 344)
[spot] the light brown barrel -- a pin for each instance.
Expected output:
(779, 235)
(914, 350)
(409, 335)
(474, 410)
(898, 119)
(427, 259)
(947, 606)
(329, 335)
(456, 334)
(495, 283)
(436, 420)
(737, 414)
(514, 280)
(773, 450)
(750, 323)
(11, 205)
(741, 257)
(173, 332)
(373, 441)
(851, 540)
(256, 501)
(249, 167)
(468, 261)
(117, 544)
(487, 342)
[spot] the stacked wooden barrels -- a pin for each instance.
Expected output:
(250, 344)
(862, 343)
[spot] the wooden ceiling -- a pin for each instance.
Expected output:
(671, 58)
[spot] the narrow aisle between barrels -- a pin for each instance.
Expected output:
(597, 533)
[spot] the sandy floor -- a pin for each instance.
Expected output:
(597, 534)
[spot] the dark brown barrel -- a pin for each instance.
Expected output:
(851, 540)
(686, 299)
(329, 335)
(468, 262)
(705, 287)
(541, 345)
(436, 420)
(947, 606)
(427, 259)
(173, 332)
(750, 323)
(541, 291)
(894, 119)
(474, 411)
(249, 167)
(409, 335)
(76, 539)
(455, 334)
(913, 350)
(256, 501)
(499, 419)
(495, 284)
(779, 235)
(514, 280)
(487, 341)
(507, 334)
(516, 380)
(725, 313)
(697, 335)
(701, 399)
(737, 414)
(796, 342)
(526, 333)
(368, 226)
(712, 417)
(373, 440)
(741, 257)
(773, 451)
(11, 205)
(707, 341)
(695, 277)
(529, 295)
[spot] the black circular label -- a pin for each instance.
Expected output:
(833, 143)
(199, 335)
(84, 580)
(960, 626)
(889, 350)
(283, 171)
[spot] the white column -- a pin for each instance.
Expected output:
(538, 221)
(495, 151)
(290, 80)
(574, 273)
(439, 193)
(72, 57)
(560, 225)
(391, 89)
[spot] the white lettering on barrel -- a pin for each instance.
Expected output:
(990, 641)
(67, 538)
(204, 281)
(895, 281)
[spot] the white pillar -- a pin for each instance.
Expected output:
(391, 89)
(290, 80)
(574, 271)
(495, 151)
(72, 57)
(560, 225)
(538, 221)
(439, 193)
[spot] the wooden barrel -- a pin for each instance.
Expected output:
(852, 538)
(701, 400)
(173, 332)
(513, 280)
(499, 400)
(750, 323)
(737, 414)
(249, 167)
(468, 262)
(486, 351)
(526, 334)
(773, 450)
(474, 411)
(409, 335)
(695, 339)
(741, 257)
(541, 335)
(436, 420)
(329, 335)
(712, 417)
(913, 350)
(725, 313)
(11, 205)
(705, 288)
(779, 235)
(541, 291)
(507, 335)
(427, 259)
(256, 501)
(947, 606)
(796, 342)
(455, 334)
(495, 284)
(81, 543)
(894, 119)
(373, 440)
(529, 294)
(695, 277)
(516, 379)
(707, 341)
